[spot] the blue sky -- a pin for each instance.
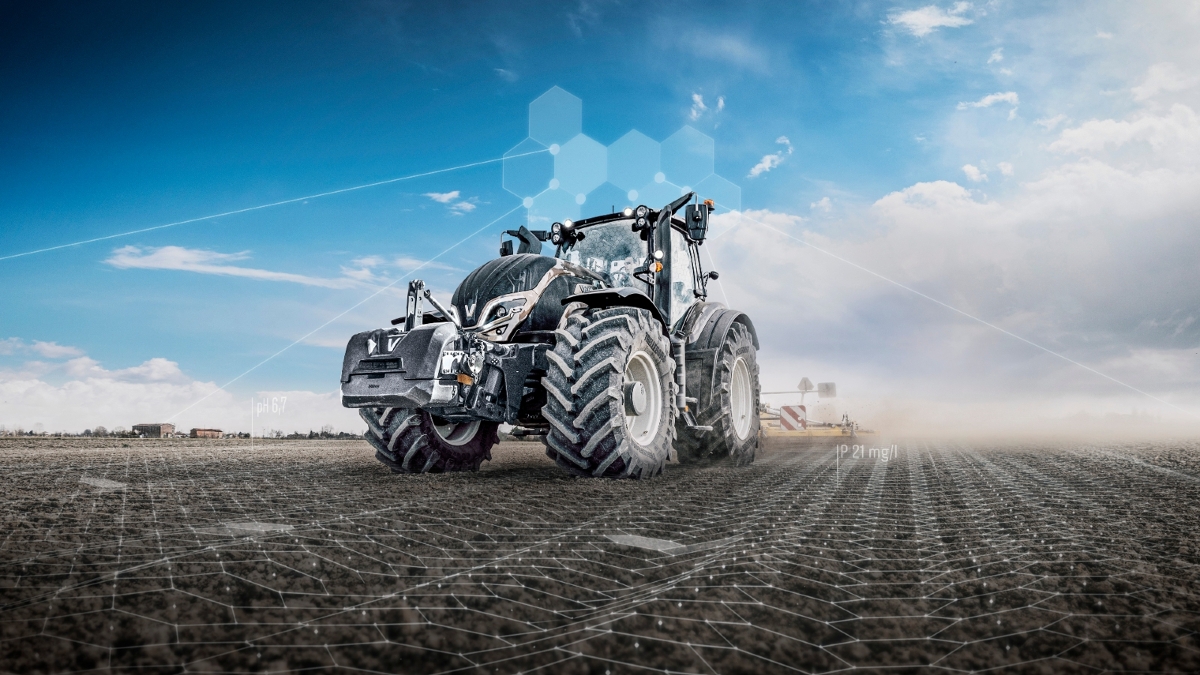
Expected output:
(907, 125)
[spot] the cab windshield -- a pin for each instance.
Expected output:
(611, 250)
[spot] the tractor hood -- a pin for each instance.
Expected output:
(517, 292)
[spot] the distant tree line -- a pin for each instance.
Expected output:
(121, 432)
(99, 431)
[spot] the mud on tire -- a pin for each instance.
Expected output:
(592, 399)
(732, 408)
(409, 441)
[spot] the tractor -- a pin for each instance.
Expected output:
(609, 351)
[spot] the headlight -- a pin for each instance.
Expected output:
(628, 212)
(475, 363)
(642, 211)
(557, 227)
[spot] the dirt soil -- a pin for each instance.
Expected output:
(212, 556)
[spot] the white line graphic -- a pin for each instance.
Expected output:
(267, 206)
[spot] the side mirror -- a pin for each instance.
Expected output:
(696, 216)
(506, 248)
(531, 240)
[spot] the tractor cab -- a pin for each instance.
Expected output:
(653, 252)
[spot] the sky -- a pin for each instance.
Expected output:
(967, 214)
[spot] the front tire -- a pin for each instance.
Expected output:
(732, 409)
(610, 395)
(413, 441)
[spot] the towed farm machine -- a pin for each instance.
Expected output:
(609, 351)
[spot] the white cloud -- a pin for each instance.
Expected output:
(362, 274)
(408, 263)
(368, 261)
(1163, 77)
(993, 99)
(53, 350)
(506, 75)
(923, 21)
(1049, 123)
(451, 200)
(1103, 35)
(1175, 133)
(367, 269)
(730, 49)
(823, 204)
(973, 173)
(156, 390)
(210, 262)
(48, 350)
(1005, 168)
(443, 197)
(764, 165)
(997, 55)
(154, 370)
(988, 101)
(700, 108)
(772, 160)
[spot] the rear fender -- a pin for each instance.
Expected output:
(707, 335)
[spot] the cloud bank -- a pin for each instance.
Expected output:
(1059, 261)
(81, 394)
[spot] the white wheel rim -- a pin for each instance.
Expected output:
(643, 429)
(740, 399)
(456, 434)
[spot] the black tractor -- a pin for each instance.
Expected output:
(609, 351)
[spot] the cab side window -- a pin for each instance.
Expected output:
(683, 283)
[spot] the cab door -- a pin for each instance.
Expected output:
(677, 281)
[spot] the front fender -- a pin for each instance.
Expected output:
(618, 297)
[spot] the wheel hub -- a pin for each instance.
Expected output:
(741, 399)
(455, 433)
(643, 396)
(635, 398)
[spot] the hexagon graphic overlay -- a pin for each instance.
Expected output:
(555, 117)
(577, 176)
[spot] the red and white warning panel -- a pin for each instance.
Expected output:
(793, 417)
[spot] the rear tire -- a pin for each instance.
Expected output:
(409, 441)
(610, 395)
(732, 409)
